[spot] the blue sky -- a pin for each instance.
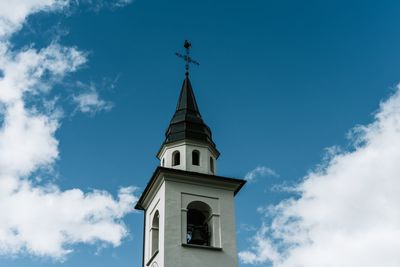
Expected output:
(278, 83)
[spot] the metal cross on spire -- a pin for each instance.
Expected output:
(187, 45)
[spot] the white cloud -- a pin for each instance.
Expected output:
(100, 4)
(14, 13)
(90, 102)
(259, 171)
(262, 250)
(123, 2)
(348, 211)
(41, 219)
(45, 221)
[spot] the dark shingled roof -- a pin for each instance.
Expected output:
(187, 122)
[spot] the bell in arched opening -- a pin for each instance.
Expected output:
(197, 224)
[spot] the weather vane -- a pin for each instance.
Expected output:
(187, 45)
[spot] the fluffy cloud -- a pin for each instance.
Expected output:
(14, 13)
(45, 221)
(347, 213)
(259, 171)
(40, 218)
(90, 102)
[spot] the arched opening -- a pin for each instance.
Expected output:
(163, 163)
(155, 233)
(176, 158)
(198, 224)
(196, 157)
(212, 167)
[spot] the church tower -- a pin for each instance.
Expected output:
(189, 213)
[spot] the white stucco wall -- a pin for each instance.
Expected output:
(185, 149)
(157, 203)
(222, 202)
(170, 196)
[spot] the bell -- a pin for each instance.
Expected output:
(198, 236)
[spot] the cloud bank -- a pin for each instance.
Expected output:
(347, 213)
(39, 218)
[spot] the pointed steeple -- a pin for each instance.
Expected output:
(186, 98)
(187, 123)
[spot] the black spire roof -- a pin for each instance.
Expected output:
(187, 124)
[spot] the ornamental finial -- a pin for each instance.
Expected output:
(188, 60)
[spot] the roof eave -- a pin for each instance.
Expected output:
(159, 170)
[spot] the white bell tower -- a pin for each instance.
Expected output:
(189, 210)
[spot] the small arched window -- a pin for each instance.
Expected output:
(155, 233)
(163, 162)
(176, 158)
(212, 167)
(196, 157)
(198, 224)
